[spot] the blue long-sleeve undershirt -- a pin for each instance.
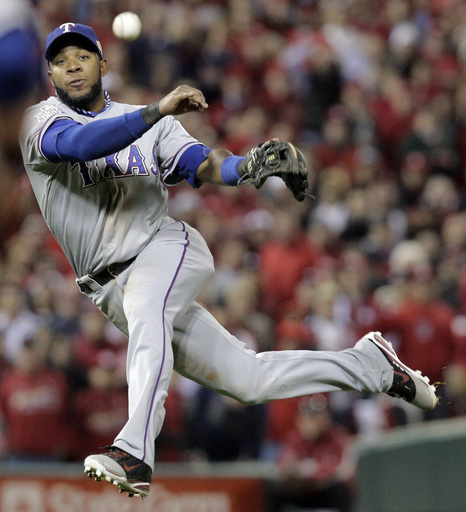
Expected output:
(67, 140)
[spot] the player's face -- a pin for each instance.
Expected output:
(76, 75)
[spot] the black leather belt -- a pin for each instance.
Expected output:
(112, 271)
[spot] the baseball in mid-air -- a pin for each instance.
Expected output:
(127, 26)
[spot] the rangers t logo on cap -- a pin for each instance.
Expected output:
(67, 26)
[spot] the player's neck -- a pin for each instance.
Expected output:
(97, 106)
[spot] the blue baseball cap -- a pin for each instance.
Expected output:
(57, 38)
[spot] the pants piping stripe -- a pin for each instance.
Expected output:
(164, 335)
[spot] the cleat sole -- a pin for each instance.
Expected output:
(122, 486)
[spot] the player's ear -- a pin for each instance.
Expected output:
(49, 74)
(103, 67)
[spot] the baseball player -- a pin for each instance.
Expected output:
(99, 170)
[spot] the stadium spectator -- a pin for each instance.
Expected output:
(100, 410)
(34, 401)
(18, 323)
(314, 466)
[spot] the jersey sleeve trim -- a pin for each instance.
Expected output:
(185, 164)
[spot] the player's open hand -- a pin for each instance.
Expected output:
(183, 99)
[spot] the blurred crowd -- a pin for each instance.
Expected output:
(374, 94)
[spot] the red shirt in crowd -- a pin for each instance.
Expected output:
(100, 415)
(34, 409)
(282, 266)
(323, 454)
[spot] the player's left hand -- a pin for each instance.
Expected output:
(181, 100)
(277, 158)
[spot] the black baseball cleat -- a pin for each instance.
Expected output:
(410, 385)
(121, 469)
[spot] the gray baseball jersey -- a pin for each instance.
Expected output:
(106, 210)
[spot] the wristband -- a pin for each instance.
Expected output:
(151, 114)
(229, 170)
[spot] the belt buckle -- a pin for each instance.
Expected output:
(113, 270)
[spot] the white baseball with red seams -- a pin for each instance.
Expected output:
(127, 26)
